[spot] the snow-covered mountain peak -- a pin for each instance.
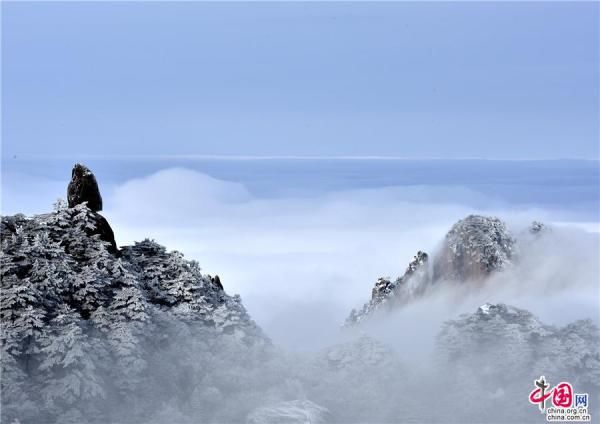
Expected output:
(474, 248)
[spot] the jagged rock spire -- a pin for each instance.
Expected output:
(391, 293)
(84, 188)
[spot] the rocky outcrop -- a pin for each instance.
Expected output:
(217, 282)
(387, 294)
(84, 188)
(104, 231)
(473, 248)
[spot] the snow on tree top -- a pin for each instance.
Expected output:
(485, 308)
(66, 243)
(71, 306)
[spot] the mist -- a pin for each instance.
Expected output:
(301, 263)
(304, 262)
(299, 212)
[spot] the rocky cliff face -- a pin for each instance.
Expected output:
(474, 248)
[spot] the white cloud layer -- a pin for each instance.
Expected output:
(302, 262)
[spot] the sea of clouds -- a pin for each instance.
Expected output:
(302, 262)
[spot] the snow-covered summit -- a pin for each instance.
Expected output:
(475, 247)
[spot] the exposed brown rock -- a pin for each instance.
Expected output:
(84, 188)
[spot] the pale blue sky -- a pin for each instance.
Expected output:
(491, 80)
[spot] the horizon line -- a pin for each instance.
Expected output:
(282, 157)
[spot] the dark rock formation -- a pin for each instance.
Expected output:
(105, 232)
(217, 282)
(84, 188)
(384, 287)
(473, 248)
(416, 264)
(413, 283)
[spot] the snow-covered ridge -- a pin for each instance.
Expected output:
(473, 249)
